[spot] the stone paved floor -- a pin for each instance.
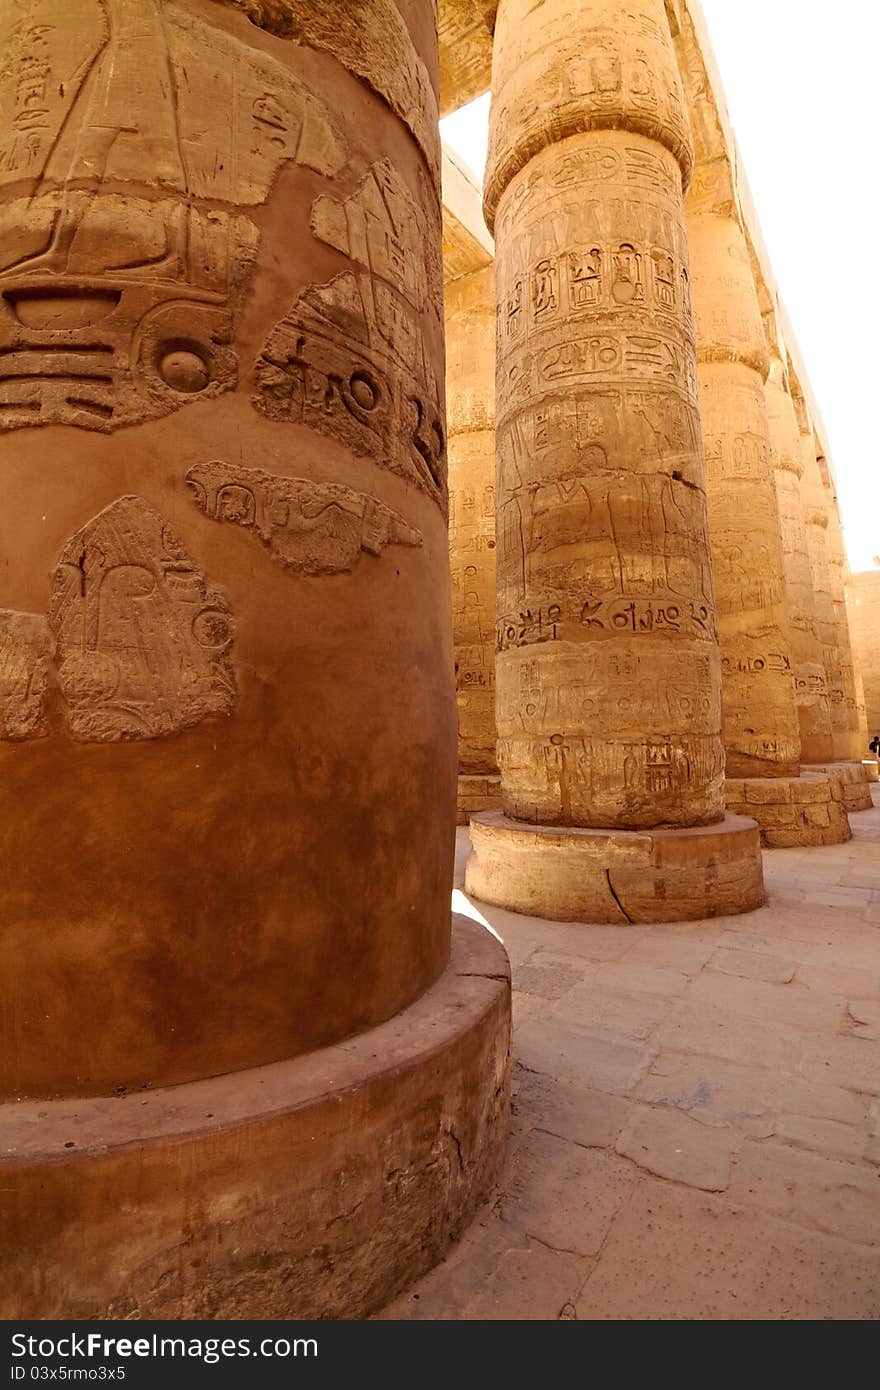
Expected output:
(696, 1128)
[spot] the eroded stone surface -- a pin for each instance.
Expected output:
(353, 359)
(761, 730)
(309, 527)
(143, 642)
(808, 810)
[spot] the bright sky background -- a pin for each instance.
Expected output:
(802, 82)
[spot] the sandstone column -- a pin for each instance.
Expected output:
(825, 565)
(247, 1069)
(811, 690)
(608, 670)
(761, 724)
(854, 742)
(470, 386)
(863, 611)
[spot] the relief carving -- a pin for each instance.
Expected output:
(124, 245)
(350, 359)
(25, 659)
(373, 42)
(137, 640)
(309, 527)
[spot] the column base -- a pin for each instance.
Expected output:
(872, 767)
(477, 793)
(856, 784)
(314, 1188)
(567, 874)
(791, 811)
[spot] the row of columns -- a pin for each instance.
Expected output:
(666, 543)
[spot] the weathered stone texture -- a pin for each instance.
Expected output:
(811, 688)
(470, 379)
(863, 610)
(761, 733)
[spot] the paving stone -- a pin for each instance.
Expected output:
(714, 1032)
(643, 979)
(865, 1014)
(612, 1013)
(759, 941)
(821, 1136)
(684, 950)
(747, 1097)
(445, 1291)
(550, 982)
(672, 1145)
(563, 1194)
(792, 1004)
(589, 943)
(753, 965)
(839, 979)
(562, 1049)
(823, 1193)
(678, 1253)
(528, 1284)
(526, 1006)
(591, 1118)
(853, 1063)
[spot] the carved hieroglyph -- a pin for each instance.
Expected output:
(761, 731)
(465, 33)
(309, 527)
(470, 385)
(137, 641)
(371, 39)
(124, 242)
(607, 662)
(350, 359)
(811, 688)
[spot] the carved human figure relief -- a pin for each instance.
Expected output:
(25, 658)
(124, 239)
(309, 527)
(143, 642)
(350, 358)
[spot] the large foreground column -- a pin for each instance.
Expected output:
(245, 1072)
(470, 385)
(608, 670)
(761, 725)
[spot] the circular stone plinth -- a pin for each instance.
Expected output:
(855, 779)
(312, 1188)
(872, 767)
(569, 874)
(477, 792)
(790, 811)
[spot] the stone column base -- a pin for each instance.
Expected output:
(477, 793)
(313, 1188)
(856, 784)
(570, 874)
(790, 811)
(872, 767)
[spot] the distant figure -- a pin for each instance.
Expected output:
(874, 745)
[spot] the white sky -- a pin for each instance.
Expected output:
(802, 83)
